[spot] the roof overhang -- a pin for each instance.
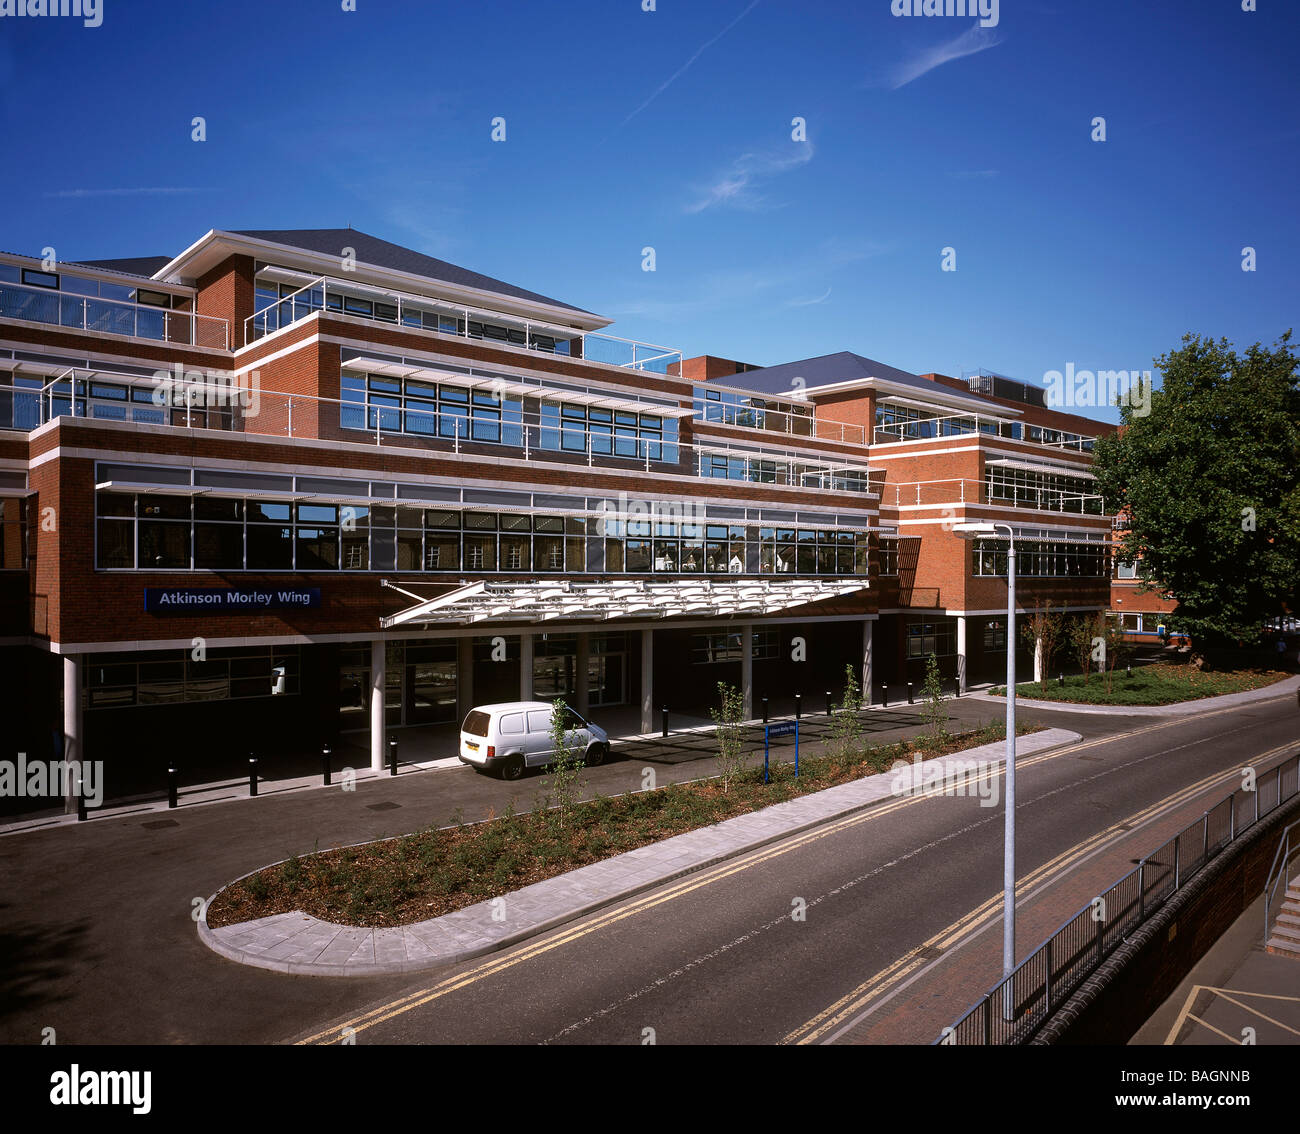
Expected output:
(634, 598)
(1040, 467)
(217, 245)
(901, 393)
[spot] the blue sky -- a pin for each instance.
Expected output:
(672, 129)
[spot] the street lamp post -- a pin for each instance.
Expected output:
(973, 531)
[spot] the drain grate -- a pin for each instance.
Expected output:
(386, 806)
(159, 824)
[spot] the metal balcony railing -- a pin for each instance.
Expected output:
(112, 316)
(969, 491)
(338, 297)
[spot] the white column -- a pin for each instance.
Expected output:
(961, 653)
(72, 733)
(747, 670)
(647, 680)
(581, 685)
(378, 677)
(525, 666)
(868, 627)
(1038, 656)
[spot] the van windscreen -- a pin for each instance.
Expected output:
(476, 723)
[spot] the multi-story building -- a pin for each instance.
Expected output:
(292, 484)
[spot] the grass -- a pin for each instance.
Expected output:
(438, 870)
(1158, 684)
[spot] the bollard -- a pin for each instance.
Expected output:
(663, 720)
(325, 764)
(884, 696)
(765, 710)
(798, 706)
(828, 702)
(81, 800)
(171, 785)
(392, 755)
(1060, 680)
(909, 693)
(252, 774)
(1129, 670)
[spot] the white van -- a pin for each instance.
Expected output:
(514, 735)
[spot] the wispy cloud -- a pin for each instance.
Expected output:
(739, 185)
(685, 66)
(145, 191)
(810, 302)
(972, 41)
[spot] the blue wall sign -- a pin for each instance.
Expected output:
(228, 600)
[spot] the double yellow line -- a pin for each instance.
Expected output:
(347, 1030)
(969, 926)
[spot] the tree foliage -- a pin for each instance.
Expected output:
(1210, 481)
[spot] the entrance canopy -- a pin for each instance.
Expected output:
(551, 601)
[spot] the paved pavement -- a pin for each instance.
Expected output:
(299, 943)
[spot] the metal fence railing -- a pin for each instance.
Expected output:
(1017, 1006)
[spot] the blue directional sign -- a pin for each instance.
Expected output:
(781, 728)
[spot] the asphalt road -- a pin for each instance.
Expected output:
(97, 939)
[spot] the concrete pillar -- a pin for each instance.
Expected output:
(525, 666)
(647, 681)
(868, 628)
(378, 676)
(581, 684)
(72, 729)
(747, 670)
(1038, 655)
(961, 653)
(464, 676)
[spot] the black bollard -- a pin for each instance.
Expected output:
(252, 774)
(1060, 680)
(765, 710)
(909, 693)
(828, 702)
(884, 696)
(171, 786)
(81, 800)
(325, 764)
(663, 719)
(798, 706)
(392, 755)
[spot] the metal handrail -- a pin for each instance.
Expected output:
(80, 313)
(1279, 867)
(1157, 880)
(657, 358)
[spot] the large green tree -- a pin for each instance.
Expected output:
(1211, 481)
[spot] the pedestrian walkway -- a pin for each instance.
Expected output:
(299, 943)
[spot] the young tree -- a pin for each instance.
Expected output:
(1115, 647)
(1087, 636)
(566, 762)
(844, 734)
(1206, 467)
(1042, 631)
(728, 718)
(933, 711)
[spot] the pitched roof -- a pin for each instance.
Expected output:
(385, 254)
(843, 366)
(143, 266)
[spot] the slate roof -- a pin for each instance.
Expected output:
(385, 254)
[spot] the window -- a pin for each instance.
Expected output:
(926, 638)
(33, 278)
(1042, 559)
(1125, 570)
(995, 635)
(727, 646)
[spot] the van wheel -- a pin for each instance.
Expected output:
(595, 756)
(513, 768)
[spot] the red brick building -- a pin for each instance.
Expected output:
(286, 485)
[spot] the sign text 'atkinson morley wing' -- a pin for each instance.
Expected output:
(226, 600)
